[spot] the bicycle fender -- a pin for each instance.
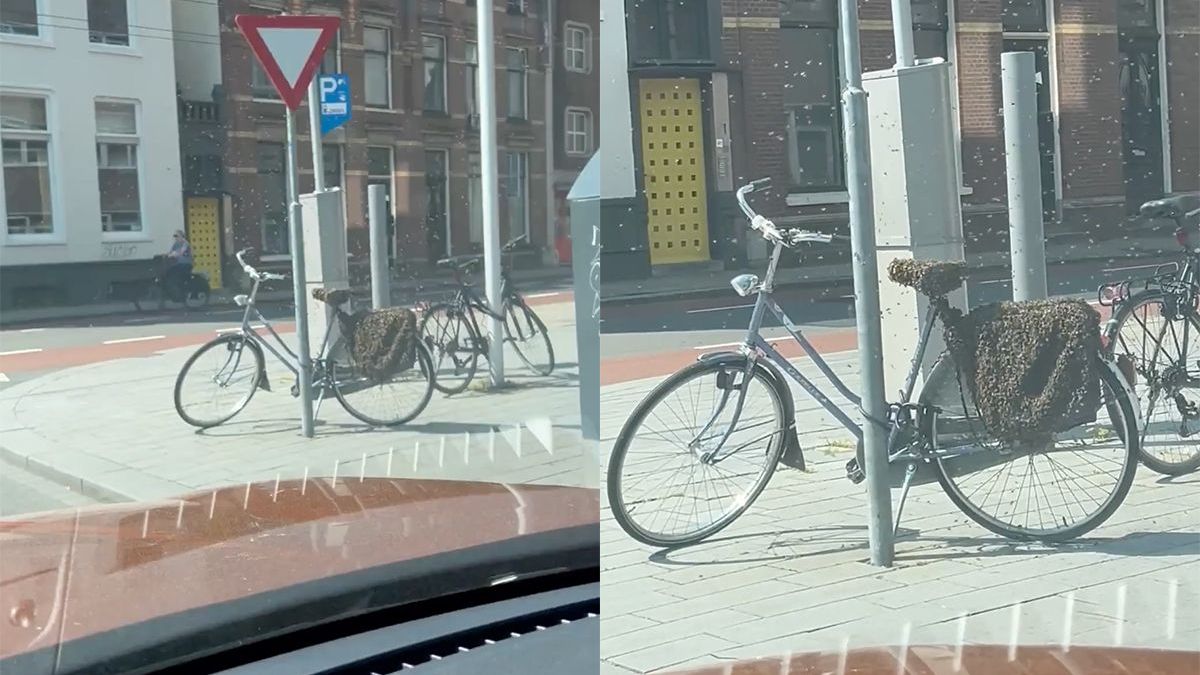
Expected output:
(793, 454)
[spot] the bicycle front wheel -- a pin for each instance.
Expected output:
(524, 330)
(394, 400)
(1055, 491)
(454, 345)
(1164, 349)
(218, 380)
(662, 488)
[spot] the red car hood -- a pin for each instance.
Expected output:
(66, 575)
(971, 660)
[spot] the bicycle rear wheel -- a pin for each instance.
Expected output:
(218, 380)
(454, 345)
(1164, 349)
(384, 403)
(524, 330)
(1053, 492)
(661, 492)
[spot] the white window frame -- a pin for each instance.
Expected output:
(57, 234)
(588, 133)
(524, 81)
(585, 48)
(445, 80)
(133, 139)
(43, 30)
(387, 66)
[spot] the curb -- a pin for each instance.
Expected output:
(651, 295)
(87, 488)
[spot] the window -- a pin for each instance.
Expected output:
(475, 198)
(108, 22)
(379, 172)
(272, 190)
(331, 165)
(516, 193)
(433, 48)
(18, 17)
(685, 37)
(577, 48)
(25, 137)
(578, 130)
(331, 60)
(1025, 16)
(518, 76)
(811, 101)
(1133, 14)
(437, 216)
(377, 67)
(471, 65)
(930, 24)
(516, 6)
(117, 166)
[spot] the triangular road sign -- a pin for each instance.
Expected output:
(289, 49)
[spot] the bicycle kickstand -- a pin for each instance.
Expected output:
(909, 472)
(317, 406)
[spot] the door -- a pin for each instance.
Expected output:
(673, 167)
(204, 233)
(1141, 121)
(1045, 114)
(437, 220)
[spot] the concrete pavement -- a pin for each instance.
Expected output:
(792, 574)
(109, 430)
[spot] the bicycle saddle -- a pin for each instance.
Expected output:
(1168, 207)
(931, 278)
(331, 297)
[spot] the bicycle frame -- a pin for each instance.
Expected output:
(291, 360)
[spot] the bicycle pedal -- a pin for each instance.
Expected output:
(854, 472)
(295, 390)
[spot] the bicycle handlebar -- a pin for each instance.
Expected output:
(255, 274)
(764, 226)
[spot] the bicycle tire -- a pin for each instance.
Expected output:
(255, 379)
(423, 361)
(616, 500)
(1128, 419)
(1127, 310)
(450, 386)
(532, 322)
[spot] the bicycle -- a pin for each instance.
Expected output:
(1158, 330)
(931, 435)
(452, 333)
(238, 370)
(154, 289)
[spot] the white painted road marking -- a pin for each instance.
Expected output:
(738, 344)
(4, 378)
(32, 330)
(544, 295)
(720, 309)
(21, 351)
(1132, 267)
(136, 339)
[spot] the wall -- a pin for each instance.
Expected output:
(73, 73)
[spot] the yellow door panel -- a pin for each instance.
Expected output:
(673, 166)
(204, 233)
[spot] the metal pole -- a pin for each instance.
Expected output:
(551, 130)
(902, 33)
(489, 176)
(866, 290)
(377, 218)
(1026, 238)
(299, 282)
(314, 128)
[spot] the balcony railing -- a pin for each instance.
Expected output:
(199, 111)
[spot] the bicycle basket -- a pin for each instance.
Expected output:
(1031, 366)
(381, 343)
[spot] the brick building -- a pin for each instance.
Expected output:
(756, 85)
(414, 126)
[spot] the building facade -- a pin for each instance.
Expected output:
(724, 91)
(576, 96)
(414, 128)
(90, 146)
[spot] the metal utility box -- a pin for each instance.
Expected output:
(325, 257)
(584, 200)
(918, 214)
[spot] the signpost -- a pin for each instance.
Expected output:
(334, 93)
(289, 49)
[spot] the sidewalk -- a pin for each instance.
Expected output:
(793, 573)
(110, 430)
(1139, 245)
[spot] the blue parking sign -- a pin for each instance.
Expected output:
(335, 101)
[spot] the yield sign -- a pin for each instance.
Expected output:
(288, 48)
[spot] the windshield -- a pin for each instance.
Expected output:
(283, 300)
(827, 425)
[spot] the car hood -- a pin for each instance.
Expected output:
(967, 660)
(70, 574)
